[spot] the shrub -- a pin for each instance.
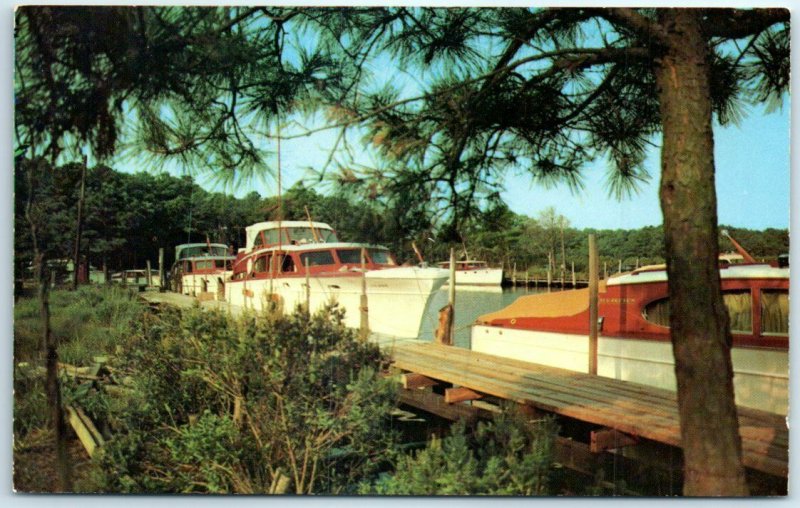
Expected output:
(236, 405)
(506, 456)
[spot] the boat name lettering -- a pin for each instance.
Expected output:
(617, 300)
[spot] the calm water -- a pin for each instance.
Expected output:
(471, 302)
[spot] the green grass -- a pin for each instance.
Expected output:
(89, 322)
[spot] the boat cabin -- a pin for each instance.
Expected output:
(334, 258)
(275, 233)
(636, 305)
(464, 265)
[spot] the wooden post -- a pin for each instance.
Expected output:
(364, 330)
(514, 275)
(452, 296)
(574, 280)
(620, 266)
(308, 287)
(79, 228)
(549, 271)
(444, 332)
(593, 302)
(149, 274)
(605, 270)
(161, 282)
(561, 221)
(637, 263)
(271, 274)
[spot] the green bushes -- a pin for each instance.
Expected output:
(243, 405)
(209, 403)
(506, 456)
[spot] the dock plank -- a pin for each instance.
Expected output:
(635, 409)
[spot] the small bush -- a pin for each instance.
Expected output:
(506, 456)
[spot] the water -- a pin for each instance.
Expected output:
(471, 302)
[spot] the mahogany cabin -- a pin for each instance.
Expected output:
(332, 259)
(757, 298)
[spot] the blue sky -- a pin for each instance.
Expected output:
(752, 161)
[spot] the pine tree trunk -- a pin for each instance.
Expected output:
(701, 335)
(52, 389)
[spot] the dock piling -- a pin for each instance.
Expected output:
(593, 304)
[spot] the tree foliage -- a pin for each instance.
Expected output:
(229, 406)
(128, 217)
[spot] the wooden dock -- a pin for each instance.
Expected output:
(627, 410)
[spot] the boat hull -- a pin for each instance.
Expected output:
(760, 380)
(205, 283)
(479, 277)
(397, 298)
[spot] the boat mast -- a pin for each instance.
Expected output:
(280, 199)
(746, 255)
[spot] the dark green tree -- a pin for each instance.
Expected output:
(545, 91)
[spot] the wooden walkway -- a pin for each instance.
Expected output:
(633, 409)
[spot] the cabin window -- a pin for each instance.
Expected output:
(259, 241)
(327, 235)
(204, 265)
(740, 310)
(657, 312)
(775, 311)
(270, 236)
(349, 256)
(381, 257)
(287, 265)
(300, 235)
(222, 263)
(738, 303)
(317, 258)
(260, 266)
(187, 267)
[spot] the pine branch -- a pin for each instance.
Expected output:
(642, 26)
(737, 23)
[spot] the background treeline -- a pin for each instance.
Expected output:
(128, 217)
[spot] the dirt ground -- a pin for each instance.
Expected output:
(35, 464)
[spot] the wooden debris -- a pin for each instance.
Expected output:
(609, 439)
(460, 394)
(88, 434)
(412, 381)
(434, 403)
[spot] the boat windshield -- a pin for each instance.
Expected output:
(306, 235)
(317, 258)
(203, 250)
(349, 256)
(296, 235)
(381, 257)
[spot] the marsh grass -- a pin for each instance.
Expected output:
(89, 322)
(92, 321)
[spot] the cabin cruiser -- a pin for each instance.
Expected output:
(634, 337)
(292, 262)
(475, 273)
(201, 269)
